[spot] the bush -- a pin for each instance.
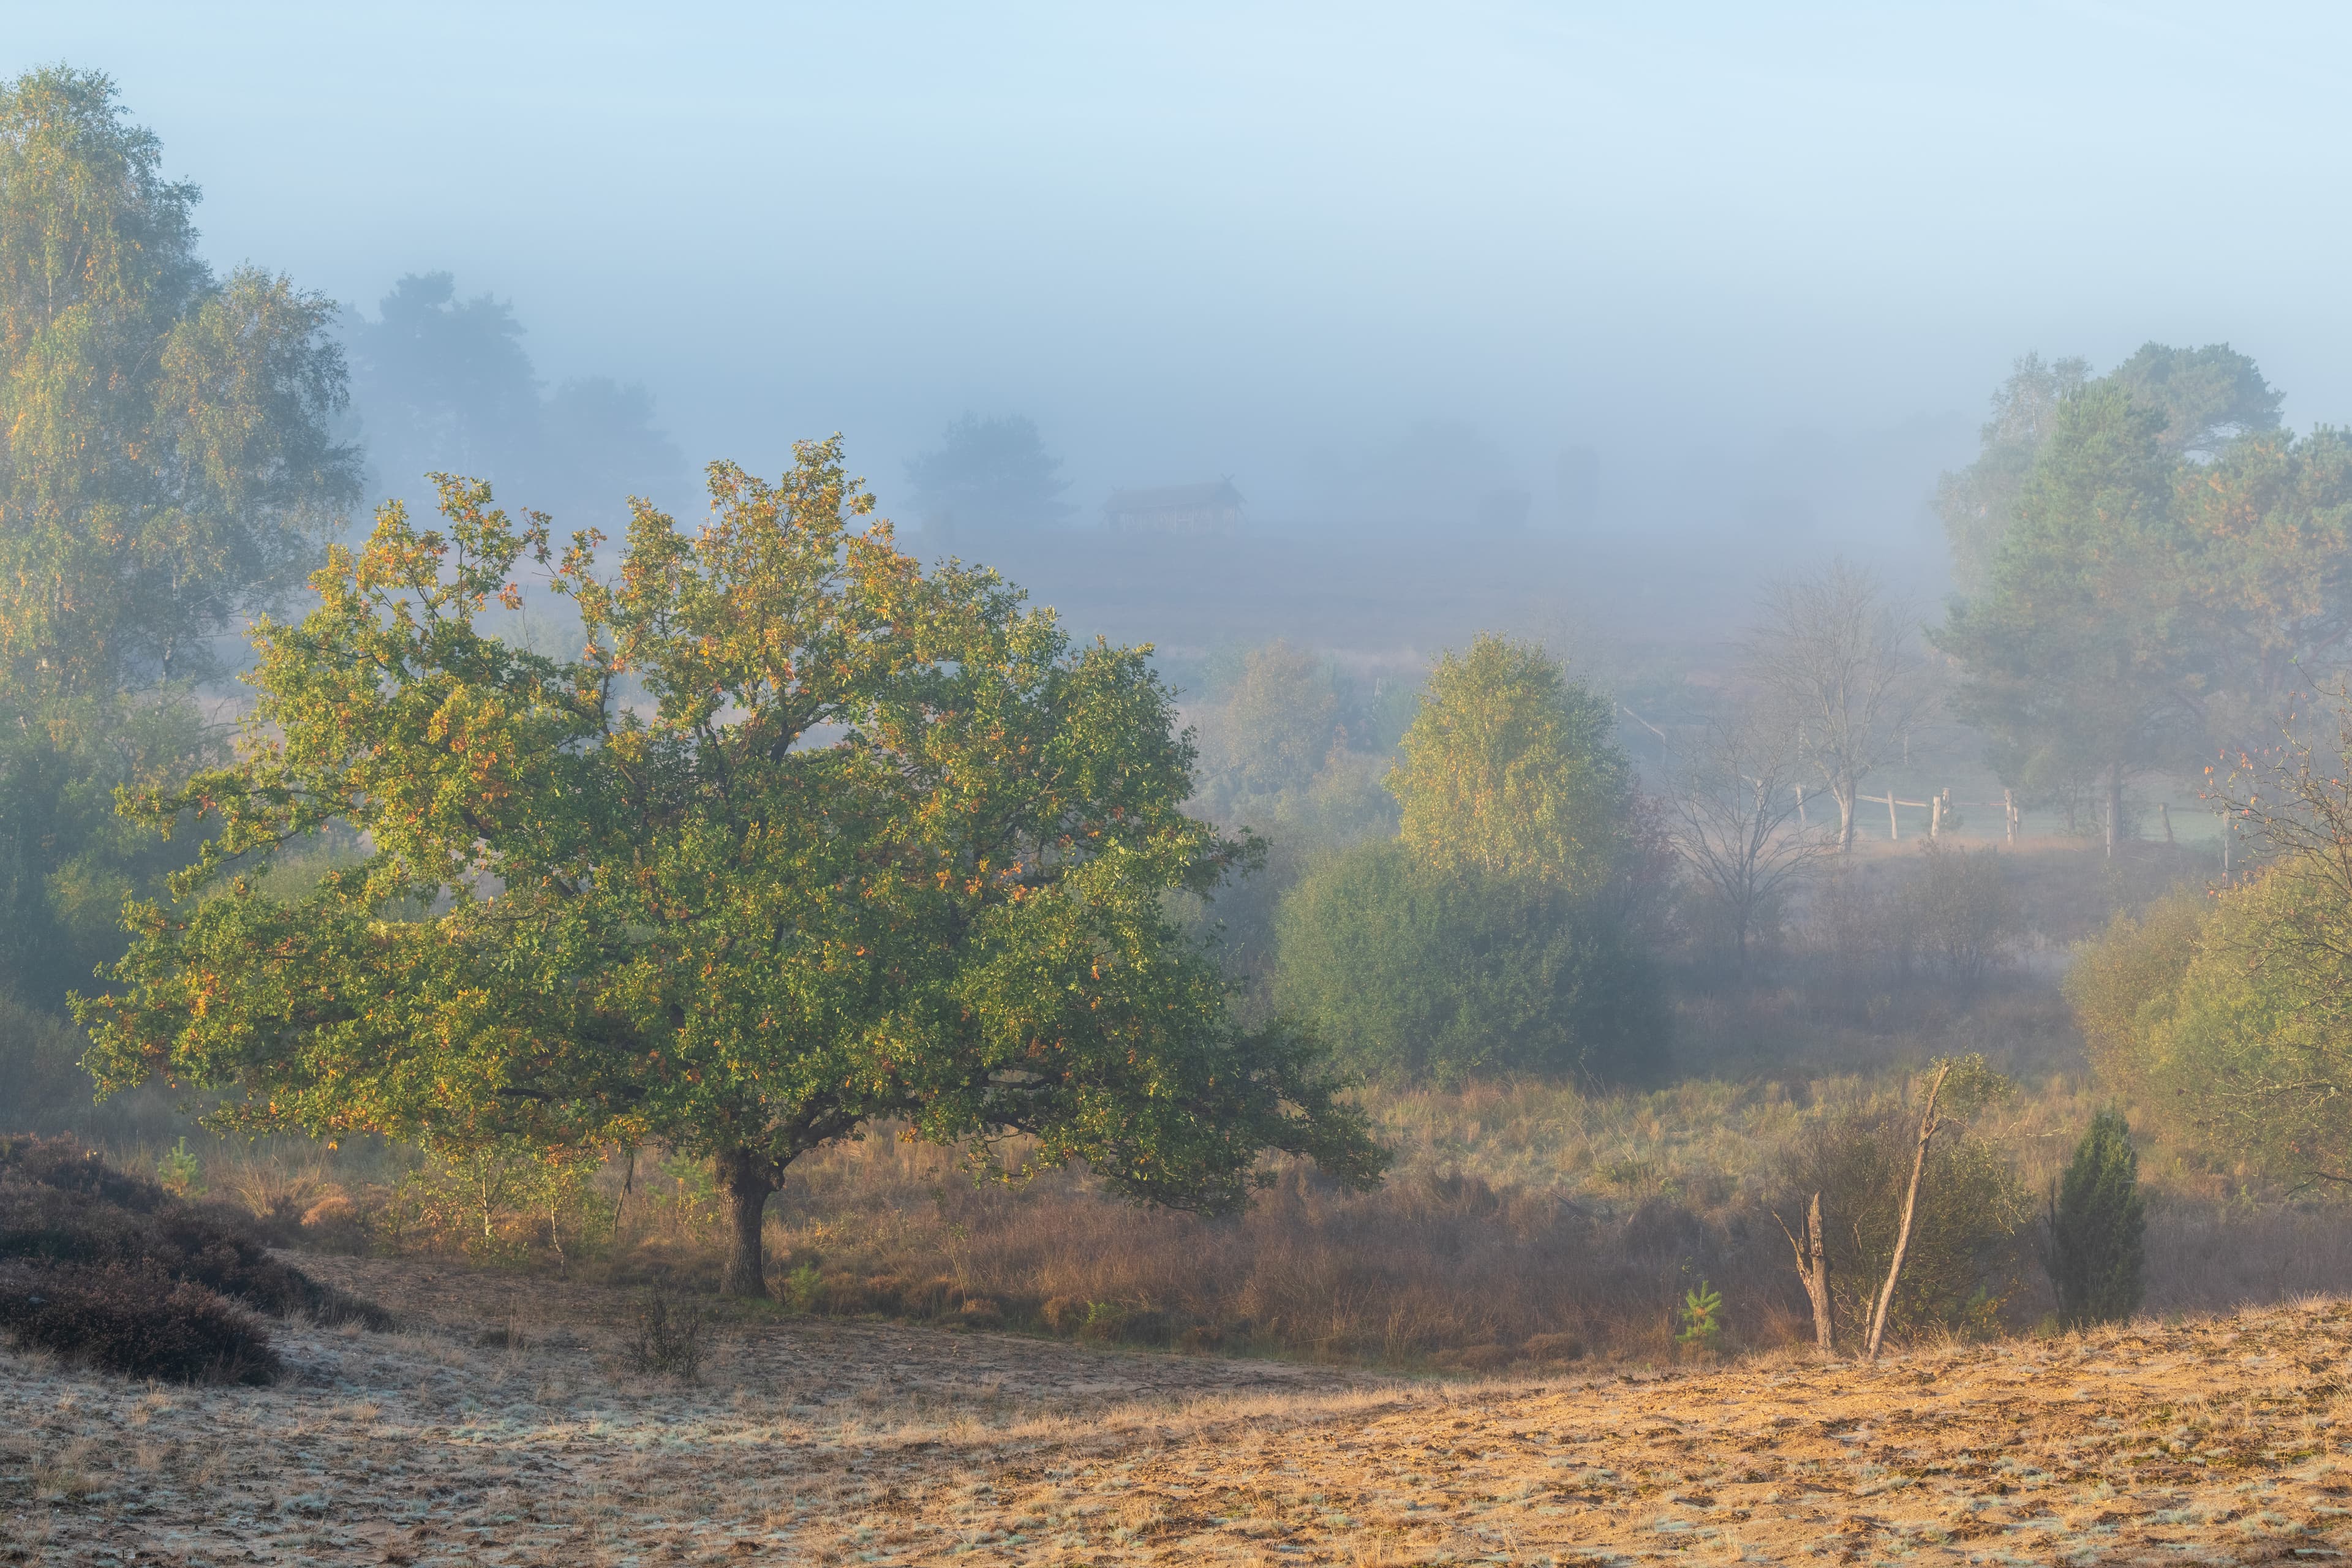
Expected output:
(1414, 973)
(135, 1321)
(1957, 913)
(60, 1205)
(670, 1338)
(2229, 1027)
(2120, 984)
(2094, 1244)
(41, 1079)
(1960, 1265)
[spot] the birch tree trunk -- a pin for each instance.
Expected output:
(1928, 1125)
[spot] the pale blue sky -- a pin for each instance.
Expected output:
(1251, 238)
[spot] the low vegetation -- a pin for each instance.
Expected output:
(110, 1270)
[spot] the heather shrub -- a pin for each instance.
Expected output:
(670, 1338)
(59, 1205)
(135, 1321)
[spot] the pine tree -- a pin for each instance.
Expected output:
(2093, 1250)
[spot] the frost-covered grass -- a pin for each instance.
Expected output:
(2208, 1440)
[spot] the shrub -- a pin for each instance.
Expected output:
(2122, 982)
(135, 1321)
(670, 1338)
(1957, 912)
(1415, 973)
(2094, 1248)
(1959, 1266)
(60, 1205)
(2241, 1056)
(40, 1065)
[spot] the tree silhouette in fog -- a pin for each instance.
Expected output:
(989, 473)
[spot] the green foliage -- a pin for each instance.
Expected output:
(2239, 1055)
(41, 1081)
(2075, 653)
(167, 456)
(1415, 973)
(180, 1172)
(68, 860)
(1281, 720)
(166, 464)
(1978, 503)
(496, 1201)
(2167, 561)
(2093, 1248)
(803, 1286)
(874, 843)
(1701, 1315)
(1511, 770)
(2208, 396)
(2122, 985)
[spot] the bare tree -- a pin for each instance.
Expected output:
(1929, 1125)
(1963, 1085)
(1732, 809)
(1842, 672)
(1813, 1269)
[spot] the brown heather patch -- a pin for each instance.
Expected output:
(2215, 1440)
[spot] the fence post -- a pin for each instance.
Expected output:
(1934, 816)
(1894, 828)
(2009, 817)
(2164, 810)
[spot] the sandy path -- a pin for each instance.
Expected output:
(2209, 1442)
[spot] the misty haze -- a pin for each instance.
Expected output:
(897, 784)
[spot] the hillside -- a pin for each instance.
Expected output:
(2206, 1440)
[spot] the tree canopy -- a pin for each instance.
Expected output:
(2074, 656)
(1424, 974)
(804, 837)
(2176, 568)
(167, 459)
(442, 383)
(167, 465)
(1511, 770)
(1978, 503)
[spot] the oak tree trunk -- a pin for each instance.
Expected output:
(747, 1179)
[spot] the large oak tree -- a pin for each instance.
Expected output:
(804, 838)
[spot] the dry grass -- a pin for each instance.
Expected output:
(2208, 1441)
(1525, 1222)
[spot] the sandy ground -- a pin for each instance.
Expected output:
(2215, 1441)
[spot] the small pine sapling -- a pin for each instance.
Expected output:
(2094, 1247)
(1702, 1317)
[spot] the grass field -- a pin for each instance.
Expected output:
(500, 1426)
